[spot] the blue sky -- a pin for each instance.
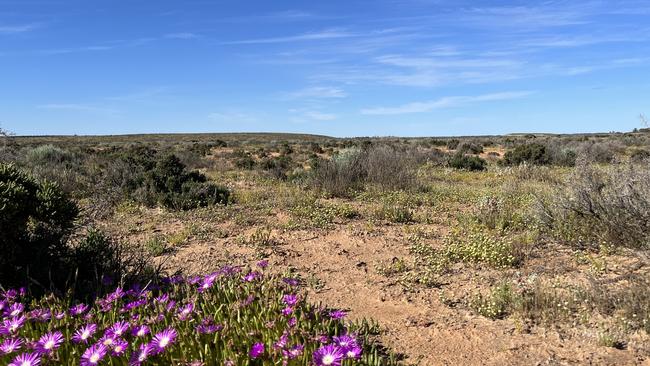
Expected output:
(340, 68)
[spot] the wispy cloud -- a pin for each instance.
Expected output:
(317, 92)
(13, 29)
(315, 36)
(445, 102)
(182, 35)
(140, 94)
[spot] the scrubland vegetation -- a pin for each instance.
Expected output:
(537, 232)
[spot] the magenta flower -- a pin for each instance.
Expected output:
(119, 347)
(294, 351)
(185, 312)
(60, 315)
(84, 333)
(140, 331)
(208, 281)
(11, 326)
(208, 328)
(49, 342)
(14, 310)
(256, 350)
(353, 353)
(252, 276)
(329, 355)
(141, 355)
(79, 309)
(162, 299)
(292, 322)
(337, 314)
(290, 299)
(291, 281)
(345, 341)
(26, 359)
(287, 311)
(263, 263)
(163, 339)
(107, 340)
(93, 355)
(118, 329)
(282, 342)
(10, 346)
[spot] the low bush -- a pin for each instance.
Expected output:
(36, 223)
(467, 162)
(169, 184)
(601, 206)
(351, 170)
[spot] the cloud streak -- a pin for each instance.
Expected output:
(445, 102)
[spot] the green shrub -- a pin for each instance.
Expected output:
(36, 219)
(534, 154)
(172, 186)
(466, 162)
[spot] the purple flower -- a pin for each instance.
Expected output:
(162, 299)
(141, 355)
(353, 353)
(118, 329)
(287, 311)
(292, 322)
(256, 350)
(345, 341)
(252, 276)
(328, 355)
(291, 281)
(163, 339)
(11, 326)
(116, 295)
(208, 328)
(84, 333)
(208, 281)
(294, 351)
(185, 312)
(263, 263)
(107, 340)
(26, 359)
(119, 347)
(10, 346)
(14, 310)
(78, 309)
(60, 315)
(49, 342)
(282, 342)
(93, 355)
(290, 299)
(3, 305)
(140, 331)
(337, 314)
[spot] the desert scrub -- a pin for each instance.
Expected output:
(322, 215)
(394, 213)
(473, 245)
(227, 317)
(600, 206)
(495, 305)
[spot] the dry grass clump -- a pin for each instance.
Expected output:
(601, 206)
(352, 169)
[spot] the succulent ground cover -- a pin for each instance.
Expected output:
(233, 316)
